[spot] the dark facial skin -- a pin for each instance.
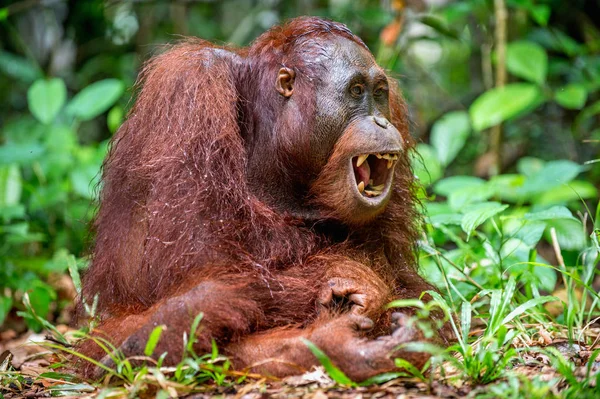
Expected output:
(351, 121)
(355, 87)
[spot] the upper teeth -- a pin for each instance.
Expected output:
(370, 190)
(361, 159)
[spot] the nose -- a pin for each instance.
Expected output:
(381, 122)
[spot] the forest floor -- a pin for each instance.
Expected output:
(29, 371)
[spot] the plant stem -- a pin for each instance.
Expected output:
(500, 38)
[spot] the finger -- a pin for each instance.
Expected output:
(361, 323)
(325, 296)
(359, 303)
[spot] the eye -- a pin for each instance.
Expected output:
(380, 91)
(357, 90)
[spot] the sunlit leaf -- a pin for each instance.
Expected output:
(500, 104)
(527, 60)
(479, 213)
(571, 96)
(153, 340)
(449, 134)
(11, 185)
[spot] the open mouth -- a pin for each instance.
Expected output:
(372, 172)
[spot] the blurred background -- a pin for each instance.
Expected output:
(504, 93)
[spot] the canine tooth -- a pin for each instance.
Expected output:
(361, 186)
(390, 164)
(361, 159)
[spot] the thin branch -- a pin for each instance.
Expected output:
(500, 38)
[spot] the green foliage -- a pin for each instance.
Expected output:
(47, 179)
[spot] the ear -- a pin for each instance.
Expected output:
(285, 82)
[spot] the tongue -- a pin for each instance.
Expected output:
(362, 173)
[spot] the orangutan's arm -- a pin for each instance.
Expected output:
(282, 352)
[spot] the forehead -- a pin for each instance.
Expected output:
(345, 54)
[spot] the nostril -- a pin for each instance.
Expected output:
(381, 122)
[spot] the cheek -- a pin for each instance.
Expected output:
(331, 119)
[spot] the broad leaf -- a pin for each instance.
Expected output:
(527, 60)
(18, 67)
(20, 153)
(453, 184)
(479, 213)
(46, 98)
(499, 104)
(571, 96)
(449, 134)
(553, 174)
(529, 166)
(570, 234)
(95, 99)
(556, 212)
(573, 191)
(425, 164)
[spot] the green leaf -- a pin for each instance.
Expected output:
(408, 366)
(529, 166)
(453, 184)
(22, 154)
(500, 104)
(153, 340)
(519, 310)
(439, 25)
(576, 190)
(540, 13)
(449, 134)
(527, 60)
(74, 273)
(18, 67)
(95, 99)
(556, 212)
(479, 213)
(571, 96)
(46, 98)
(531, 232)
(5, 306)
(11, 185)
(508, 187)
(114, 118)
(546, 276)
(335, 373)
(553, 174)
(570, 234)
(465, 321)
(40, 296)
(425, 164)
(3, 13)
